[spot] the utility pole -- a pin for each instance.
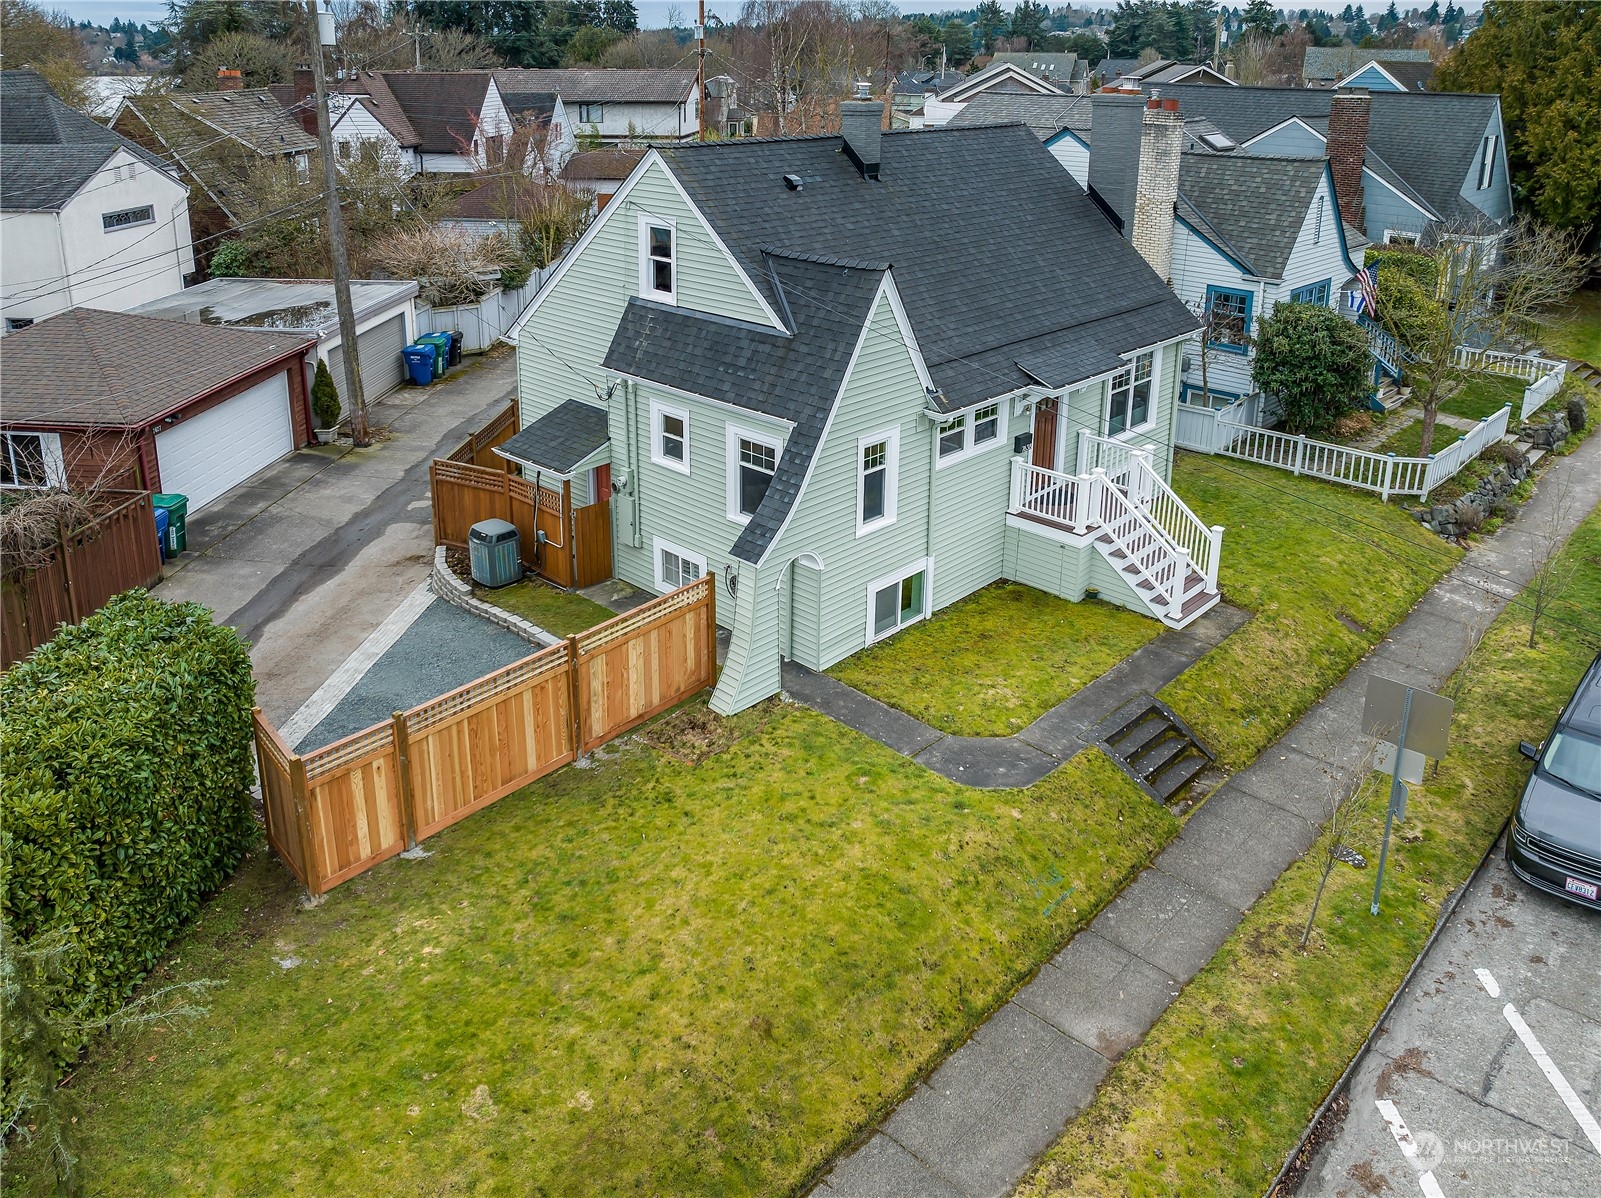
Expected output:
(700, 73)
(355, 400)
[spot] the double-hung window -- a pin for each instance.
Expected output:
(127, 218)
(669, 436)
(970, 431)
(1230, 319)
(896, 601)
(1129, 403)
(953, 437)
(658, 268)
(31, 460)
(877, 466)
(1312, 293)
(752, 462)
(676, 566)
(986, 424)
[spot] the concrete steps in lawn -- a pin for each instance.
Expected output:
(1154, 747)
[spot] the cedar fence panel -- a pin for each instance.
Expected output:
(592, 541)
(105, 557)
(478, 449)
(342, 809)
(643, 662)
(462, 496)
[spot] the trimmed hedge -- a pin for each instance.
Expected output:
(125, 775)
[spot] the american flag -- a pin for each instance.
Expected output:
(1370, 292)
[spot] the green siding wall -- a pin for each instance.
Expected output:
(970, 498)
(1067, 570)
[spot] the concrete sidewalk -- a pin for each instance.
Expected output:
(312, 554)
(976, 1125)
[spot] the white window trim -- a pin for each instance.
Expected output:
(657, 545)
(658, 409)
(1488, 149)
(136, 224)
(646, 221)
(55, 466)
(892, 464)
(1390, 236)
(969, 448)
(733, 435)
(923, 564)
(1156, 380)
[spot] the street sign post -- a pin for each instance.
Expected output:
(1414, 724)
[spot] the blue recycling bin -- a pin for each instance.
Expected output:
(161, 531)
(419, 364)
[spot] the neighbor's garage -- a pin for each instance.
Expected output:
(382, 368)
(127, 400)
(214, 451)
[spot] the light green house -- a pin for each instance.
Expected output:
(859, 378)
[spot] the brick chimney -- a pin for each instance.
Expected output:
(229, 80)
(1348, 146)
(1156, 191)
(306, 111)
(862, 123)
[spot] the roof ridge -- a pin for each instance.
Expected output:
(823, 259)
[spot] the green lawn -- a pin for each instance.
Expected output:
(1576, 333)
(1301, 554)
(554, 610)
(995, 662)
(645, 977)
(1218, 1094)
(1483, 395)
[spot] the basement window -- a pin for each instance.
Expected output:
(896, 601)
(676, 566)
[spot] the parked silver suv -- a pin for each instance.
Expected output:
(1556, 833)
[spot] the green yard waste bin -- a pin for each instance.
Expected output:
(441, 344)
(177, 508)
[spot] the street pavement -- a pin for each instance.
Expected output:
(311, 555)
(1513, 972)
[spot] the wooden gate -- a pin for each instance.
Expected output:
(576, 549)
(592, 543)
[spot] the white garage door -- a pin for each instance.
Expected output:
(207, 454)
(382, 368)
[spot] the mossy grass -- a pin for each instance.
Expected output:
(554, 610)
(1483, 395)
(1575, 330)
(643, 976)
(1326, 570)
(1218, 1094)
(993, 663)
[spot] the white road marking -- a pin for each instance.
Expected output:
(343, 680)
(1487, 980)
(1409, 1147)
(1553, 1075)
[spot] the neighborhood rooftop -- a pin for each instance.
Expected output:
(598, 86)
(1252, 207)
(254, 118)
(305, 305)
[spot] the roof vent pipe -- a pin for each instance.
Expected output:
(862, 123)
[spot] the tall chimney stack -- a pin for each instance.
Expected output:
(862, 123)
(230, 80)
(1114, 159)
(1348, 145)
(1156, 190)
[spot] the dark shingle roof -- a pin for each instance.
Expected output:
(441, 106)
(793, 377)
(85, 367)
(560, 439)
(1045, 115)
(1429, 139)
(48, 149)
(1334, 62)
(1253, 207)
(601, 85)
(945, 216)
(615, 163)
(1414, 76)
(918, 83)
(379, 100)
(254, 118)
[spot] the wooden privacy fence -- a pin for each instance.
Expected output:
(89, 565)
(478, 449)
(336, 812)
(576, 547)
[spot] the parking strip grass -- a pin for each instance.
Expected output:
(645, 976)
(554, 610)
(1327, 571)
(1218, 1094)
(993, 663)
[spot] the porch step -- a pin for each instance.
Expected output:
(1153, 747)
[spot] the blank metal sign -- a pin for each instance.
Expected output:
(1428, 729)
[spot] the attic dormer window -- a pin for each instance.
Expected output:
(657, 265)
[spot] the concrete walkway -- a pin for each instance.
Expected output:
(975, 1126)
(311, 555)
(1026, 757)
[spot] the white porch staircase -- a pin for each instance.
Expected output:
(1128, 513)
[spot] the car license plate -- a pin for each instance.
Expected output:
(1587, 890)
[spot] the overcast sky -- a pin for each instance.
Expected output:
(652, 13)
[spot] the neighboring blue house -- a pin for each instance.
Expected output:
(1391, 76)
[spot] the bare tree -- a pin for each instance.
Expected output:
(1548, 534)
(1456, 688)
(1345, 813)
(1471, 288)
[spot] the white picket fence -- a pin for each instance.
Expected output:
(1543, 376)
(1384, 473)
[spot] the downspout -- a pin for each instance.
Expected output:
(632, 410)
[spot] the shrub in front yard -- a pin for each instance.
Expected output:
(126, 761)
(1315, 361)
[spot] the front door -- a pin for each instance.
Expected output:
(1045, 434)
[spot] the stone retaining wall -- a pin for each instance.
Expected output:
(444, 583)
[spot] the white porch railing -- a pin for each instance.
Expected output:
(1203, 544)
(1385, 474)
(1542, 389)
